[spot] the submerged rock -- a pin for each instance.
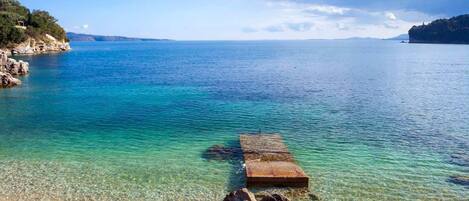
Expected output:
(220, 152)
(313, 197)
(460, 158)
(460, 180)
(240, 195)
(274, 197)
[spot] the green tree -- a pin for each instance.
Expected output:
(41, 22)
(38, 24)
(14, 9)
(9, 34)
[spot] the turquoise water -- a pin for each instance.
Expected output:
(374, 120)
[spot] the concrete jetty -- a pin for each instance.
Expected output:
(269, 163)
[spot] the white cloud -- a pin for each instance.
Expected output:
(342, 27)
(85, 26)
(313, 20)
(325, 9)
(391, 16)
(391, 26)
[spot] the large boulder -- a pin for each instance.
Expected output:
(10, 68)
(7, 80)
(240, 195)
(17, 67)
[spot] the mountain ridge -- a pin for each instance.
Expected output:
(72, 36)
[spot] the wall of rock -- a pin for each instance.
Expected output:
(40, 46)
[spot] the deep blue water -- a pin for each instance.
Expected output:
(365, 119)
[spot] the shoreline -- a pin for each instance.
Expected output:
(11, 69)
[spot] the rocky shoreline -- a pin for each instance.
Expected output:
(10, 69)
(48, 44)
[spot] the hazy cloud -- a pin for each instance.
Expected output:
(391, 26)
(304, 26)
(274, 28)
(432, 7)
(81, 27)
(342, 27)
(287, 26)
(249, 30)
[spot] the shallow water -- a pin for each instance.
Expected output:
(374, 120)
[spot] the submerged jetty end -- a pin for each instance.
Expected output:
(269, 163)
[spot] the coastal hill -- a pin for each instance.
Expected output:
(454, 31)
(402, 37)
(88, 37)
(29, 32)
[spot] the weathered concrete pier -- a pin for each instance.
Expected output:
(269, 163)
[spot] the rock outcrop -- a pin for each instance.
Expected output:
(39, 46)
(7, 80)
(10, 68)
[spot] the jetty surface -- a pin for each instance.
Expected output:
(269, 163)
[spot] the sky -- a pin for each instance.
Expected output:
(247, 19)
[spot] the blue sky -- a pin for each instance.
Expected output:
(247, 19)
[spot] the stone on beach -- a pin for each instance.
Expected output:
(274, 197)
(240, 195)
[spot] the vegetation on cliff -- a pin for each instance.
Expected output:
(17, 23)
(454, 30)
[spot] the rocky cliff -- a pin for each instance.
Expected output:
(10, 69)
(42, 45)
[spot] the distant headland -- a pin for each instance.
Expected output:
(452, 31)
(29, 32)
(88, 37)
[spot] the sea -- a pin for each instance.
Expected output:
(365, 119)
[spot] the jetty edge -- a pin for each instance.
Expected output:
(268, 163)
